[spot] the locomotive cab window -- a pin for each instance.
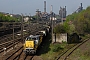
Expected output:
(28, 39)
(36, 38)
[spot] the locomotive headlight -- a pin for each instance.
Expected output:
(36, 41)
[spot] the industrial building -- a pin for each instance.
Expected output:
(80, 8)
(62, 13)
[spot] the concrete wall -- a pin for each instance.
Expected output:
(59, 38)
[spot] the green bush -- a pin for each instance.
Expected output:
(60, 29)
(56, 47)
(7, 18)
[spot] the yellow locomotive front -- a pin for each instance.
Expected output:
(31, 44)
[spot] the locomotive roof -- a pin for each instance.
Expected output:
(34, 36)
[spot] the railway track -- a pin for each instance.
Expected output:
(7, 38)
(66, 54)
(33, 28)
(8, 46)
(17, 52)
(7, 43)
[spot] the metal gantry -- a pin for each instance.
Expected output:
(51, 18)
(29, 22)
(22, 35)
(13, 33)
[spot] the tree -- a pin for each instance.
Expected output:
(80, 22)
(60, 29)
(7, 18)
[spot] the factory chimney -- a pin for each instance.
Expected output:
(44, 6)
(51, 9)
(81, 6)
(65, 7)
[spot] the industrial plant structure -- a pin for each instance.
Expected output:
(42, 15)
(62, 13)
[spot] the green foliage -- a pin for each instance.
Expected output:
(7, 18)
(75, 23)
(57, 47)
(35, 17)
(71, 29)
(67, 27)
(80, 22)
(60, 29)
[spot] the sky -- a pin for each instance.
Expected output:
(29, 6)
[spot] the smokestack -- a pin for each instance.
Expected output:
(65, 7)
(44, 6)
(51, 8)
(81, 6)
